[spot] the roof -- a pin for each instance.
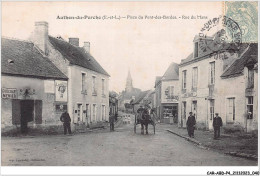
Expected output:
(21, 58)
(128, 95)
(249, 57)
(77, 55)
(141, 96)
(172, 73)
(208, 53)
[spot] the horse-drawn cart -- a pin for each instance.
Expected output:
(144, 119)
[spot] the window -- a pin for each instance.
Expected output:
(250, 81)
(103, 86)
(83, 82)
(94, 91)
(212, 72)
(194, 77)
(211, 108)
(250, 105)
(231, 110)
(184, 77)
(94, 113)
(171, 91)
(196, 50)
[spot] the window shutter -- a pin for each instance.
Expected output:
(38, 111)
(16, 112)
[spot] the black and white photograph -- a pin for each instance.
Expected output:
(133, 84)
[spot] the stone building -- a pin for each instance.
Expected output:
(211, 83)
(34, 91)
(143, 99)
(88, 95)
(167, 94)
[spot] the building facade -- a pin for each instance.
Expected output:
(34, 91)
(88, 95)
(167, 95)
(216, 83)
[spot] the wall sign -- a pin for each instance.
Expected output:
(10, 93)
(61, 90)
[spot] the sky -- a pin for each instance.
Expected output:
(145, 46)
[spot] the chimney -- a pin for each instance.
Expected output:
(40, 35)
(74, 41)
(87, 46)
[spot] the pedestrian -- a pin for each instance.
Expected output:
(111, 121)
(191, 125)
(217, 123)
(65, 118)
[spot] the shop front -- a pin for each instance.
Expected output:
(169, 113)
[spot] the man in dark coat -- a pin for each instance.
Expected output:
(191, 125)
(111, 121)
(217, 123)
(65, 118)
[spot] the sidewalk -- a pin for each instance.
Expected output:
(241, 145)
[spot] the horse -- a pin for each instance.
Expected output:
(144, 119)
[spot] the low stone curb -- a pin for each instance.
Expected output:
(243, 155)
(187, 138)
(236, 154)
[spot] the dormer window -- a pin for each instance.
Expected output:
(196, 49)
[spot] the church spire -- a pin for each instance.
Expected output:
(129, 82)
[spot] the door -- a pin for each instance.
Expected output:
(27, 109)
(183, 121)
(194, 108)
(86, 114)
(175, 114)
(79, 112)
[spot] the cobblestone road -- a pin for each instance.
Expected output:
(119, 148)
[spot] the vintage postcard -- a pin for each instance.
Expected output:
(130, 84)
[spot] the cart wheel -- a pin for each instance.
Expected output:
(135, 127)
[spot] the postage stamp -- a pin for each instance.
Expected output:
(245, 13)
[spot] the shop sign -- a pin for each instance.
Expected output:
(61, 107)
(61, 90)
(9, 93)
(190, 94)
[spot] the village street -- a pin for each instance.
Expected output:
(120, 148)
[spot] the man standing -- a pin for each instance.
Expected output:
(217, 123)
(65, 118)
(111, 121)
(191, 125)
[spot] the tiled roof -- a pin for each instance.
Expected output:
(141, 96)
(208, 53)
(172, 73)
(251, 55)
(77, 55)
(21, 58)
(128, 95)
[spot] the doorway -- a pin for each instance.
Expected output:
(183, 119)
(27, 114)
(194, 108)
